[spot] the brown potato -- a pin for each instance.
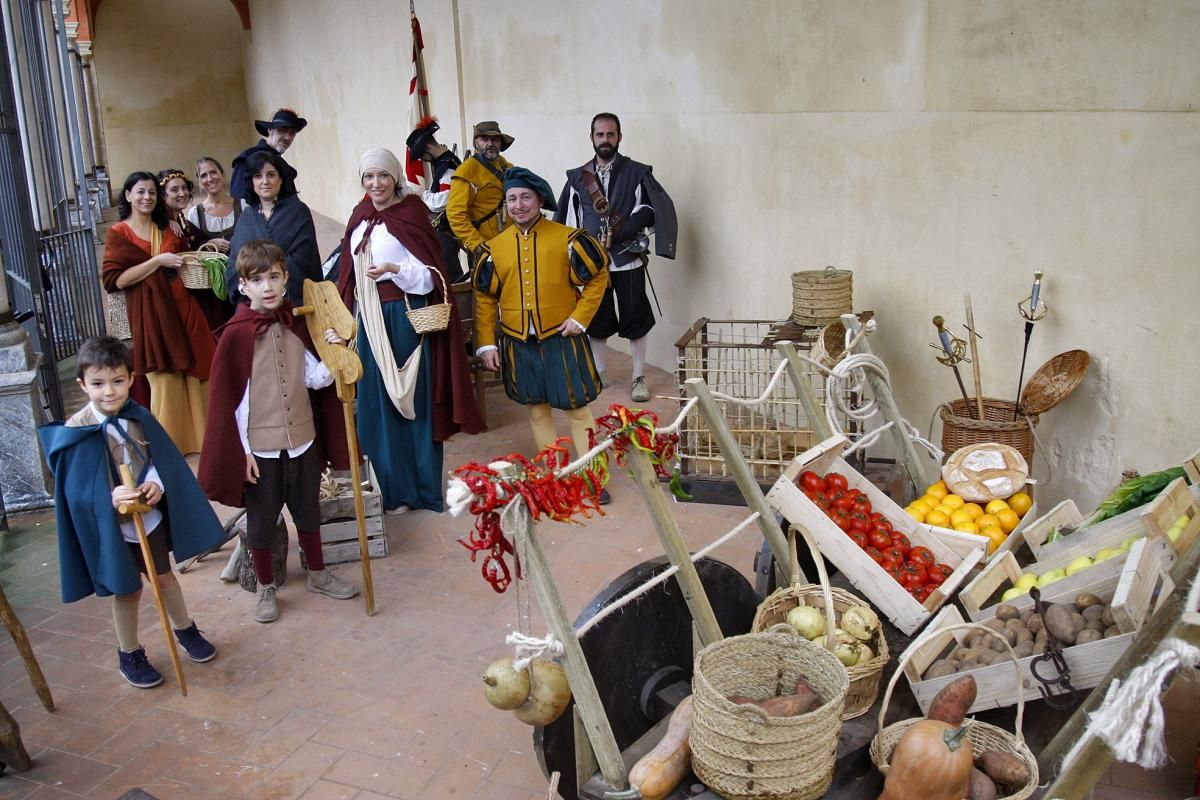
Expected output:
(1111, 631)
(1060, 621)
(1026, 614)
(1093, 612)
(1086, 600)
(1004, 768)
(1107, 616)
(995, 623)
(940, 669)
(981, 787)
(1015, 625)
(1088, 635)
(1034, 623)
(1023, 649)
(1093, 625)
(1024, 635)
(999, 646)
(951, 704)
(1006, 612)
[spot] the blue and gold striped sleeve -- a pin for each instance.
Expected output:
(485, 272)
(588, 259)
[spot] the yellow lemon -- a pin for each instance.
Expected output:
(1008, 520)
(973, 509)
(933, 502)
(959, 517)
(924, 505)
(945, 509)
(937, 490)
(995, 537)
(938, 518)
(996, 506)
(987, 519)
(916, 513)
(1020, 503)
(966, 527)
(953, 500)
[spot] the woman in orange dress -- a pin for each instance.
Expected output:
(172, 345)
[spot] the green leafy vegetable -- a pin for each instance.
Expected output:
(1131, 494)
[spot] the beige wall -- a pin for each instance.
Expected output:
(171, 86)
(934, 147)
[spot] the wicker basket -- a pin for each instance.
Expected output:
(1053, 381)
(193, 270)
(740, 752)
(433, 317)
(116, 315)
(830, 346)
(983, 737)
(960, 428)
(864, 676)
(820, 296)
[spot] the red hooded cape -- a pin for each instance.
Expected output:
(222, 459)
(454, 408)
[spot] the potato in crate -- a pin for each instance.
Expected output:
(905, 568)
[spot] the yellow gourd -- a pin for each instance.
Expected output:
(659, 771)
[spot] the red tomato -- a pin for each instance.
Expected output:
(912, 575)
(875, 555)
(901, 541)
(836, 480)
(923, 593)
(811, 481)
(859, 538)
(840, 518)
(862, 503)
(895, 553)
(889, 560)
(880, 538)
(945, 569)
(894, 572)
(833, 494)
(822, 501)
(846, 502)
(934, 577)
(921, 556)
(860, 523)
(878, 518)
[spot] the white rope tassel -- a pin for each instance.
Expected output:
(1130, 720)
(527, 648)
(458, 497)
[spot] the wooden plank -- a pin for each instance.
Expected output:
(1191, 468)
(346, 552)
(1109, 533)
(1135, 589)
(342, 506)
(974, 596)
(812, 408)
(347, 530)
(1065, 513)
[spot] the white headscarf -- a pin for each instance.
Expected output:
(384, 159)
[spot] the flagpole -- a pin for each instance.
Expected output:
(420, 86)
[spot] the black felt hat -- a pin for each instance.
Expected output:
(284, 118)
(420, 137)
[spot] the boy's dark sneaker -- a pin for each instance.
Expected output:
(138, 670)
(198, 648)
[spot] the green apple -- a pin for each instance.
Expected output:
(1106, 554)
(1083, 562)
(1128, 543)
(1050, 577)
(1015, 591)
(1025, 581)
(1174, 532)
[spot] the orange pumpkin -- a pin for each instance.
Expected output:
(932, 761)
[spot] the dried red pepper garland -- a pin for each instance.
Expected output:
(562, 498)
(628, 428)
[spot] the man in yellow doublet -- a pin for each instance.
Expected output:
(475, 208)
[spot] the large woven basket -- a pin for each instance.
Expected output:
(116, 315)
(864, 676)
(433, 317)
(960, 428)
(193, 269)
(740, 752)
(1053, 381)
(820, 296)
(983, 737)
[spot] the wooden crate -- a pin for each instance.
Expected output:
(960, 551)
(1129, 593)
(1191, 468)
(1162, 511)
(977, 596)
(339, 528)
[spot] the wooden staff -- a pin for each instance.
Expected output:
(323, 309)
(135, 509)
(975, 369)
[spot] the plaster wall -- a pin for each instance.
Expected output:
(932, 146)
(171, 85)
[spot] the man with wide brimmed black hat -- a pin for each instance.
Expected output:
(475, 207)
(278, 134)
(423, 146)
(526, 280)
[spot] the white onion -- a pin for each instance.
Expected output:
(809, 622)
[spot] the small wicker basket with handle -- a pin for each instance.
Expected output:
(433, 317)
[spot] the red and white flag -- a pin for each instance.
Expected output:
(418, 98)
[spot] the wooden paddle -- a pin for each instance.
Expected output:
(323, 309)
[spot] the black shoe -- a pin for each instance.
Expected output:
(605, 497)
(198, 648)
(138, 670)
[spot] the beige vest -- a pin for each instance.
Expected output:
(280, 415)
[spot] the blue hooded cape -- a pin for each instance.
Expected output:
(92, 554)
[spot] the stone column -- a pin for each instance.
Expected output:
(23, 474)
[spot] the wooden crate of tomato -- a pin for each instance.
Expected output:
(905, 568)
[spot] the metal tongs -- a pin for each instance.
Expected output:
(1066, 696)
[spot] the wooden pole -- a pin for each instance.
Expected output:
(1164, 623)
(745, 481)
(135, 510)
(360, 512)
(918, 469)
(17, 631)
(812, 408)
(579, 675)
(975, 367)
(642, 472)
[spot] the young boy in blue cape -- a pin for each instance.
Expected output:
(98, 549)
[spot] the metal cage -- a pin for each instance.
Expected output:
(738, 358)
